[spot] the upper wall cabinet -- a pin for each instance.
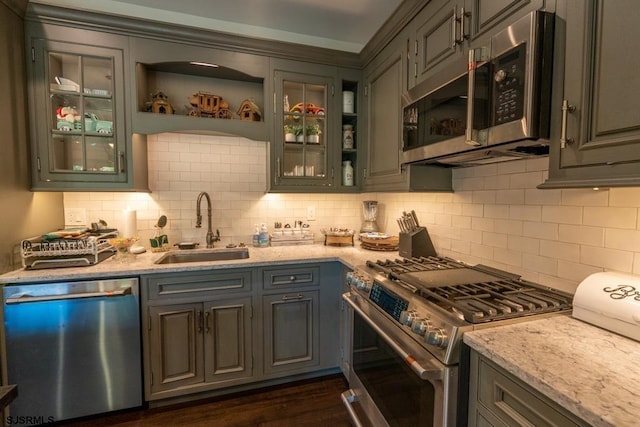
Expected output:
(79, 121)
(595, 133)
(189, 88)
(385, 79)
(304, 142)
(445, 29)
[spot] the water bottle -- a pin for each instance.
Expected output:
(263, 237)
(255, 239)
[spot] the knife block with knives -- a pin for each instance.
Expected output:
(414, 239)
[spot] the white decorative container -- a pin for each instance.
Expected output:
(347, 102)
(347, 173)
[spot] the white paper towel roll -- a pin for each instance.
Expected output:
(129, 223)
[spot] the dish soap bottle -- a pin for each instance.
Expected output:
(347, 173)
(263, 237)
(255, 239)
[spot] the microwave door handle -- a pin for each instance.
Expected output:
(471, 93)
(432, 374)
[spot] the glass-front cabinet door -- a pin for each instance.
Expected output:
(302, 142)
(80, 127)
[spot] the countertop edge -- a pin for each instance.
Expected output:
(587, 370)
(143, 264)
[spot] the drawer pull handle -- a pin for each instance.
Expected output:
(292, 278)
(291, 298)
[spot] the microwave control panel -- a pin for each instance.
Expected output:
(508, 85)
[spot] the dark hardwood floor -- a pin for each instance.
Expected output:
(305, 403)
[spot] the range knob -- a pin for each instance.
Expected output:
(408, 316)
(437, 337)
(421, 326)
(500, 75)
(359, 281)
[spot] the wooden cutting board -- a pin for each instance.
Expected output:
(386, 244)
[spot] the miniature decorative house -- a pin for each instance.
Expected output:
(160, 103)
(250, 111)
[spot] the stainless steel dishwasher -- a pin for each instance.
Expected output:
(72, 348)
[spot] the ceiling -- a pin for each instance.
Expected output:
(345, 25)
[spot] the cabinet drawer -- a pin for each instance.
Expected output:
(291, 277)
(182, 285)
(513, 404)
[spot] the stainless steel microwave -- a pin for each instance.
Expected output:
(492, 106)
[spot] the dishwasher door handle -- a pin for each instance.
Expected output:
(25, 298)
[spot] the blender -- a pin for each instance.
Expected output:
(370, 213)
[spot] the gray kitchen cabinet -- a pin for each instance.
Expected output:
(595, 131)
(385, 80)
(497, 398)
(443, 30)
(300, 318)
(222, 330)
(191, 87)
(304, 141)
(291, 331)
(199, 332)
(80, 122)
(177, 356)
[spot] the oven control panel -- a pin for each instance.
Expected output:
(391, 303)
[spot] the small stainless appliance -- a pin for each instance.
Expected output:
(407, 319)
(494, 106)
(73, 348)
(370, 213)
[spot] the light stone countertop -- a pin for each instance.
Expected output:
(144, 263)
(589, 371)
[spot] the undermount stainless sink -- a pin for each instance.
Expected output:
(204, 255)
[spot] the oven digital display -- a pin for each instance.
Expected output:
(388, 301)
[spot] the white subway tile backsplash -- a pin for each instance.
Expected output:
(584, 235)
(612, 217)
(510, 197)
(624, 197)
(626, 240)
(584, 197)
(496, 216)
(560, 250)
(540, 230)
(562, 214)
(610, 259)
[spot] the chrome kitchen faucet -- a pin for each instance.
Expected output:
(210, 236)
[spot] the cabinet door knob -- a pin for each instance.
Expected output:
(292, 278)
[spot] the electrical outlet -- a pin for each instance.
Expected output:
(311, 213)
(75, 216)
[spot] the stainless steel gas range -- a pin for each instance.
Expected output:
(407, 318)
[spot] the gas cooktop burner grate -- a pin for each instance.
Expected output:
(497, 300)
(408, 265)
(477, 294)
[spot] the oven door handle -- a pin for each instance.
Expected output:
(432, 374)
(348, 397)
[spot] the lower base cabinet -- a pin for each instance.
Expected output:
(206, 342)
(497, 398)
(291, 331)
(224, 330)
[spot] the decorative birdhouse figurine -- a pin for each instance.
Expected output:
(250, 111)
